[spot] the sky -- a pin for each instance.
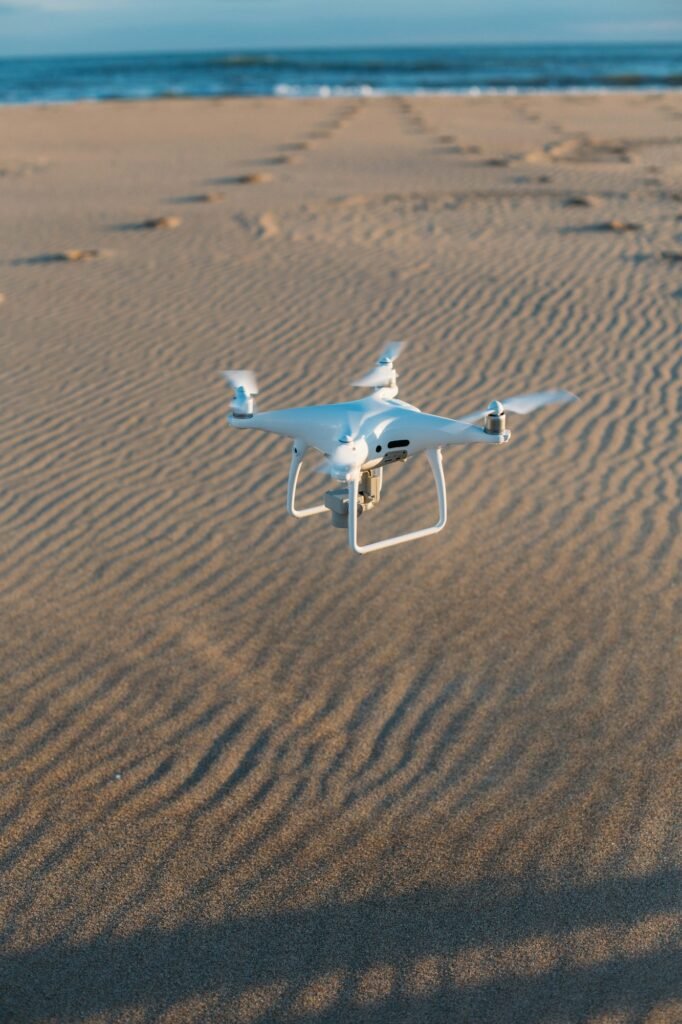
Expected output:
(30, 27)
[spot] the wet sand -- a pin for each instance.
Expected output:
(246, 775)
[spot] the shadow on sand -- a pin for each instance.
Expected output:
(430, 955)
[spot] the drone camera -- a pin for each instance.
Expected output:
(369, 492)
(337, 503)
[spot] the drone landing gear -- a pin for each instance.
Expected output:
(297, 453)
(436, 462)
(346, 504)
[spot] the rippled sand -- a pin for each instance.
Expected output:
(246, 775)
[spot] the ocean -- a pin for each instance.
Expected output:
(331, 72)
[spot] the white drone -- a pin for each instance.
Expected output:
(359, 438)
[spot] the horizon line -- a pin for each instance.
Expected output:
(562, 44)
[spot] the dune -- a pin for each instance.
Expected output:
(245, 775)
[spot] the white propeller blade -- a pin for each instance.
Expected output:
(241, 379)
(382, 374)
(526, 403)
(392, 351)
(536, 400)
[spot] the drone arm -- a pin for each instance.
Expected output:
(436, 462)
(297, 452)
(273, 422)
(428, 432)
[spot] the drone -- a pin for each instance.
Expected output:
(358, 439)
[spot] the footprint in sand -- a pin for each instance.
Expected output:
(264, 226)
(616, 225)
(267, 226)
(582, 201)
(66, 256)
(202, 197)
(168, 223)
(581, 151)
(255, 178)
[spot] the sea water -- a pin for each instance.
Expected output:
(448, 69)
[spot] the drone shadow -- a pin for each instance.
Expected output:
(429, 955)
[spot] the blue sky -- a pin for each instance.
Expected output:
(98, 26)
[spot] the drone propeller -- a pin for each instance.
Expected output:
(523, 404)
(383, 374)
(244, 385)
(241, 380)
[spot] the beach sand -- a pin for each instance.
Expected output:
(248, 776)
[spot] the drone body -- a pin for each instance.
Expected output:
(360, 438)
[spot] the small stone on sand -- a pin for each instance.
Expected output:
(671, 254)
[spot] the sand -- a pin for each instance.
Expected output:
(246, 775)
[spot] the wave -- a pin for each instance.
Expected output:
(463, 70)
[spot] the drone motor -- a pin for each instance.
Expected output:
(495, 419)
